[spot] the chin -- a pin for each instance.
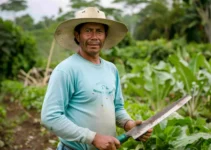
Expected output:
(94, 49)
(94, 52)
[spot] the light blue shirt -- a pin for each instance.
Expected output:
(83, 99)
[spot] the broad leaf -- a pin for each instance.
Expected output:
(183, 72)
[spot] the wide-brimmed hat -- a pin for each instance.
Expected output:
(64, 33)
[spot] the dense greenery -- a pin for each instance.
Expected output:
(148, 86)
(18, 50)
(158, 19)
(164, 56)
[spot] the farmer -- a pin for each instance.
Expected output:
(84, 103)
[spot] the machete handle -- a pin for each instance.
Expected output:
(123, 138)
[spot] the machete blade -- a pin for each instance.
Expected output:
(160, 116)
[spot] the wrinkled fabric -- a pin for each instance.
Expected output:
(83, 99)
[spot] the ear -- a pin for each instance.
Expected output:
(76, 34)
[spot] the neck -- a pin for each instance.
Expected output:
(95, 58)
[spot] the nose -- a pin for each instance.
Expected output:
(94, 35)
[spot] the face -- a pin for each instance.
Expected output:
(91, 38)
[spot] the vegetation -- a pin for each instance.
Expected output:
(18, 50)
(166, 55)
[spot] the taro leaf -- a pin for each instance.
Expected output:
(158, 84)
(206, 64)
(183, 71)
(164, 136)
(181, 122)
(199, 61)
(196, 63)
(185, 140)
(193, 125)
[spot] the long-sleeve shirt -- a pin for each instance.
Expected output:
(83, 99)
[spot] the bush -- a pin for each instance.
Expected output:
(18, 50)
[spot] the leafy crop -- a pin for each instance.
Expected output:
(149, 84)
(31, 97)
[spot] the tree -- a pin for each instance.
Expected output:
(18, 50)
(25, 21)
(155, 21)
(203, 8)
(190, 24)
(45, 22)
(133, 4)
(80, 4)
(13, 6)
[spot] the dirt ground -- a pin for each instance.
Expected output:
(23, 130)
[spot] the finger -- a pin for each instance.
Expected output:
(143, 140)
(144, 137)
(108, 146)
(113, 147)
(138, 122)
(117, 143)
(150, 130)
(148, 134)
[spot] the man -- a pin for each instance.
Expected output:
(84, 101)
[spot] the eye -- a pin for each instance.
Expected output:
(88, 30)
(100, 31)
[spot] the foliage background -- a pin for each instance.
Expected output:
(165, 55)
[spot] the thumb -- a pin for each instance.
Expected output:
(117, 143)
(138, 122)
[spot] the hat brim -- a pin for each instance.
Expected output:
(64, 33)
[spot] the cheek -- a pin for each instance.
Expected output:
(85, 38)
(82, 39)
(102, 38)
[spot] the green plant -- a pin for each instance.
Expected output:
(18, 50)
(5, 127)
(31, 97)
(181, 133)
(193, 78)
(12, 88)
(152, 83)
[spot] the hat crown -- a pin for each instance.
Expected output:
(90, 12)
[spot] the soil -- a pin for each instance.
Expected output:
(23, 130)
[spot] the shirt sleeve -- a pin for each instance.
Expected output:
(59, 92)
(121, 114)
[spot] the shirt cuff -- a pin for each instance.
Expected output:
(90, 137)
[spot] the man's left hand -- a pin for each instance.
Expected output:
(130, 124)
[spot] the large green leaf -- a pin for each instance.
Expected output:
(185, 140)
(196, 62)
(183, 72)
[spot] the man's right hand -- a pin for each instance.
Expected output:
(103, 142)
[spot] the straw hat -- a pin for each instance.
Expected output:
(64, 33)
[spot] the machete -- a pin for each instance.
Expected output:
(154, 120)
